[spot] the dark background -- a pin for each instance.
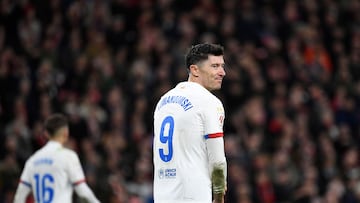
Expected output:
(291, 93)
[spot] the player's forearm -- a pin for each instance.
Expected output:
(217, 163)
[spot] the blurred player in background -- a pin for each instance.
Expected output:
(53, 172)
(189, 158)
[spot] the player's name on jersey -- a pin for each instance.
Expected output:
(168, 173)
(181, 100)
(43, 161)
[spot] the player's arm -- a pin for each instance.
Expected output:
(24, 187)
(218, 170)
(85, 192)
(22, 192)
(214, 119)
(77, 177)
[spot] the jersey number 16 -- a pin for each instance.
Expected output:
(44, 190)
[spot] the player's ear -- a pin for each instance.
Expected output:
(194, 70)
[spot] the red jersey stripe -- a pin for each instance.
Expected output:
(214, 135)
(78, 182)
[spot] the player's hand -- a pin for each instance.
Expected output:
(219, 200)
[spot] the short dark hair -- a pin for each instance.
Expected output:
(54, 123)
(201, 52)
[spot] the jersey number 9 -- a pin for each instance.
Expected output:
(166, 138)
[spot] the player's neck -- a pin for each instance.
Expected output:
(194, 79)
(59, 139)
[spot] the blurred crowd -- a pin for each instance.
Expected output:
(291, 93)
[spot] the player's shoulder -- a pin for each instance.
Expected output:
(66, 155)
(201, 92)
(210, 98)
(36, 154)
(31, 158)
(68, 152)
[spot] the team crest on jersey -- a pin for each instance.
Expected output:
(168, 173)
(220, 111)
(221, 120)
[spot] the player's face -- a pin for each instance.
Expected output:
(212, 72)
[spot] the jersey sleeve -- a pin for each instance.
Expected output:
(24, 187)
(25, 178)
(76, 173)
(84, 191)
(214, 116)
(22, 193)
(214, 122)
